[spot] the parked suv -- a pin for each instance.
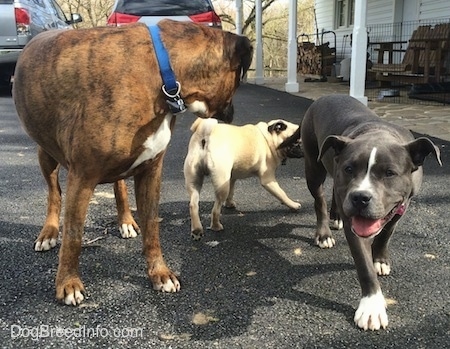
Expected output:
(151, 12)
(20, 21)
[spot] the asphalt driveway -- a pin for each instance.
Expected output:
(261, 283)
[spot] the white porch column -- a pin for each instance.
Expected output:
(359, 52)
(239, 17)
(292, 84)
(259, 71)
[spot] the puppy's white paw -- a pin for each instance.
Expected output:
(44, 245)
(329, 242)
(127, 231)
(382, 268)
(337, 224)
(371, 313)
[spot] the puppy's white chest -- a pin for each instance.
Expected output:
(155, 143)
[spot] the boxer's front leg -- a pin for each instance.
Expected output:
(127, 225)
(69, 287)
(147, 188)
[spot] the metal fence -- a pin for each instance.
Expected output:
(409, 62)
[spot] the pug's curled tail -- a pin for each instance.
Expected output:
(203, 127)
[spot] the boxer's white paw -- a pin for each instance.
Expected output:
(74, 298)
(127, 231)
(171, 285)
(371, 313)
(337, 224)
(382, 268)
(329, 242)
(44, 245)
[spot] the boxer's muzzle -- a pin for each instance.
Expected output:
(226, 115)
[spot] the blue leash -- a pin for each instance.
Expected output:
(171, 87)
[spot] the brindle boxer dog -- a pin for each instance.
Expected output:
(92, 100)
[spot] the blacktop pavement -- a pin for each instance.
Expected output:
(261, 283)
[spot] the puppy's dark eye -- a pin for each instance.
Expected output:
(390, 173)
(348, 170)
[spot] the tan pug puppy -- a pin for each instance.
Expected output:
(227, 153)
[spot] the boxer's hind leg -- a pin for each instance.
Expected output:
(315, 174)
(69, 287)
(147, 188)
(127, 225)
(49, 234)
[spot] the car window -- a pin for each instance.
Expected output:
(162, 7)
(40, 3)
(57, 10)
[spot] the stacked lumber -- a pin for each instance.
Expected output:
(309, 58)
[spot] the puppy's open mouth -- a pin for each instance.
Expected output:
(367, 227)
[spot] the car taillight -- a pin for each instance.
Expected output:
(22, 21)
(208, 18)
(117, 19)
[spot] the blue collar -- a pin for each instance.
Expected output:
(171, 87)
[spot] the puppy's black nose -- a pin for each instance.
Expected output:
(361, 199)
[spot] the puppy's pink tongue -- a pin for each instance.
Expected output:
(365, 227)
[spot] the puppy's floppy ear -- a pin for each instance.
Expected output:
(420, 148)
(277, 127)
(338, 143)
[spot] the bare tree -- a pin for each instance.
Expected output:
(275, 25)
(94, 12)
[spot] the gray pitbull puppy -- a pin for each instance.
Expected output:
(377, 168)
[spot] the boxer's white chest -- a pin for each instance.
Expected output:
(155, 143)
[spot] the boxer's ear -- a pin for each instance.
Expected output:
(241, 53)
(338, 143)
(420, 148)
